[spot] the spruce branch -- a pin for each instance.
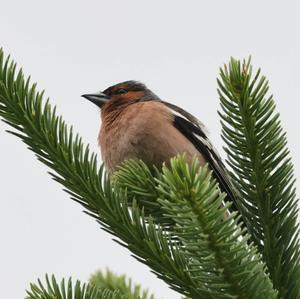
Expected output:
(76, 169)
(113, 282)
(170, 254)
(52, 290)
(209, 235)
(219, 257)
(262, 171)
(140, 183)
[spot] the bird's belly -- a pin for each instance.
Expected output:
(123, 146)
(153, 148)
(146, 133)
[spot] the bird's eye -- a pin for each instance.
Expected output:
(121, 90)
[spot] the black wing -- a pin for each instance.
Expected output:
(195, 131)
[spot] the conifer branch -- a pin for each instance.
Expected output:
(52, 290)
(169, 248)
(214, 243)
(76, 169)
(113, 282)
(262, 171)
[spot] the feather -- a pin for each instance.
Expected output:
(195, 132)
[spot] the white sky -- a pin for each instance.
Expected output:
(75, 47)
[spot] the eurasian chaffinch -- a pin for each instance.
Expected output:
(137, 124)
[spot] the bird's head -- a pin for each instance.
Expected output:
(121, 95)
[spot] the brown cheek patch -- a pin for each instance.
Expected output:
(118, 101)
(132, 95)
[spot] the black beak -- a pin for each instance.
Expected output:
(98, 99)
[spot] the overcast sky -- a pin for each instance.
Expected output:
(76, 47)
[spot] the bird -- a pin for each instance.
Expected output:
(137, 124)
